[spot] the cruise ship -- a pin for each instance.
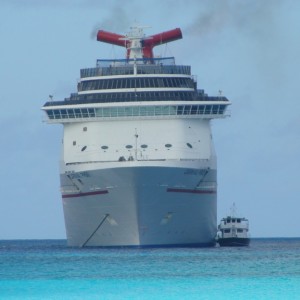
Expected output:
(138, 166)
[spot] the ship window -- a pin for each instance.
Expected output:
(201, 109)
(71, 113)
(222, 108)
(187, 109)
(106, 111)
(121, 111)
(113, 84)
(137, 83)
(143, 111)
(133, 83)
(128, 111)
(99, 112)
(150, 111)
(104, 147)
(233, 220)
(105, 84)
(165, 80)
(238, 220)
(84, 112)
(144, 146)
(63, 113)
(147, 82)
(84, 128)
(141, 82)
(168, 145)
(208, 109)
(74, 143)
(227, 230)
(158, 110)
(177, 82)
(133, 111)
(160, 82)
(128, 146)
(91, 112)
(77, 113)
(189, 145)
(172, 110)
(179, 110)
(182, 82)
(124, 83)
(194, 110)
(50, 114)
(152, 82)
(114, 112)
(240, 230)
(98, 85)
(215, 109)
(83, 148)
(57, 114)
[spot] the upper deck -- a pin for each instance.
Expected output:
(117, 67)
(140, 85)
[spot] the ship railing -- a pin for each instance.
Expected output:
(155, 111)
(137, 97)
(129, 70)
(147, 61)
(142, 66)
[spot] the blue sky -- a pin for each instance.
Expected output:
(248, 49)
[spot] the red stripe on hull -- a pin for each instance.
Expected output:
(85, 194)
(173, 190)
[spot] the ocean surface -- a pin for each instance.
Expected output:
(48, 269)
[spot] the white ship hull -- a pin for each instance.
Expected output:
(142, 206)
(138, 166)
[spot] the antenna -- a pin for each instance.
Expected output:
(233, 210)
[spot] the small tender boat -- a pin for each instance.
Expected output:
(233, 231)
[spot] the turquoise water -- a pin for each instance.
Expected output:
(48, 269)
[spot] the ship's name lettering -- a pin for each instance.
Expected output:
(195, 172)
(79, 175)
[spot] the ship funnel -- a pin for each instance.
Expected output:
(136, 35)
(159, 39)
(111, 38)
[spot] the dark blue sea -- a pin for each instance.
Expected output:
(48, 269)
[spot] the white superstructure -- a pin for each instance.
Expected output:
(138, 166)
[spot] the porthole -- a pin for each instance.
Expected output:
(104, 147)
(128, 146)
(84, 128)
(189, 145)
(83, 148)
(74, 143)
(168, 145)
(144, 146)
